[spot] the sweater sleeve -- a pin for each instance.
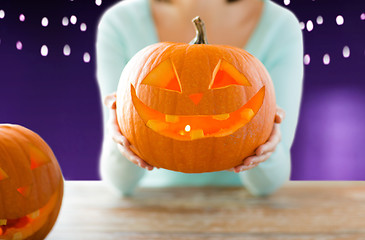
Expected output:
(119, 173)
(284, 63)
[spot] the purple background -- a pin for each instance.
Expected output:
(57, 95)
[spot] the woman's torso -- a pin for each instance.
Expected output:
(227, 23)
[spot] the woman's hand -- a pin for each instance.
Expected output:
(264, 151)
(123, 144)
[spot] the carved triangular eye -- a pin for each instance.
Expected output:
(164, 76)
(225, 74)
(37, 157)
(3, 174)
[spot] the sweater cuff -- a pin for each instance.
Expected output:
(268, 176)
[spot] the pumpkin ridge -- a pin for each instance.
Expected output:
(50, 155)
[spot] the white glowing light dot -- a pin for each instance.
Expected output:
(98, 2)
(2, 14)
(326, 59)
(19, 45)
(340, 20)
(187, 128)
(306, 59)
(66, 50)
(362, 16)
(73, 19)
(302, 25)
(86, 57)
(319, 20)
(22, 17)
(44, 22)
(64, 21)
(346, 52)
(309, 25)
(44, 50)
(83, 27)
(286, 2)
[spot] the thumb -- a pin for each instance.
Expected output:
(280, 115)
(110, 101)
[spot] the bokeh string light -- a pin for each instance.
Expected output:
(286, 2)
(98, 2)
(346, 52)
(67, 50)
(326, 59)
(65, 21)
(83, 27)
(319, 20)
(340, 20)
(19, 45)
(86, 57)
(306, 59)
(44, 50)
(73, 19)
(307, 25)
(21, 17)
(44, 22)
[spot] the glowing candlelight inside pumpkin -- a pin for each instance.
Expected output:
(187, 128)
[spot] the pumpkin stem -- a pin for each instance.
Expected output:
(200, 37)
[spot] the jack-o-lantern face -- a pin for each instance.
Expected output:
(192, 127)
(31, 184)
(195, 107)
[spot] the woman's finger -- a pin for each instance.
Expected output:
(115, 130)
(280, 115)
(127, 152)
(271, 144)
(110, 101)
(252, 162)
(262, 158)
(120, 139)
(242, 168)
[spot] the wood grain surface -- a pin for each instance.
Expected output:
(299, 210)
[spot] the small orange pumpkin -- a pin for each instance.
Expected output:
(195, 107)
(31, 184)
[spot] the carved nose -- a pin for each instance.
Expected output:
(196, 97)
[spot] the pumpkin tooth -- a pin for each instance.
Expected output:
(196, 134)
(171, 118)
(156, 125)
(34, 214)
(18, 236)
(3, 222)
(247, 113)
(223, 116)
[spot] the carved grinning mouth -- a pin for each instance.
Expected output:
(192, 127)
(22, 228)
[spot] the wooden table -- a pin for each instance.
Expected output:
(299, 210)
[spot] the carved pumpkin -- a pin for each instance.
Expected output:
(31, 184)
(195, 107)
